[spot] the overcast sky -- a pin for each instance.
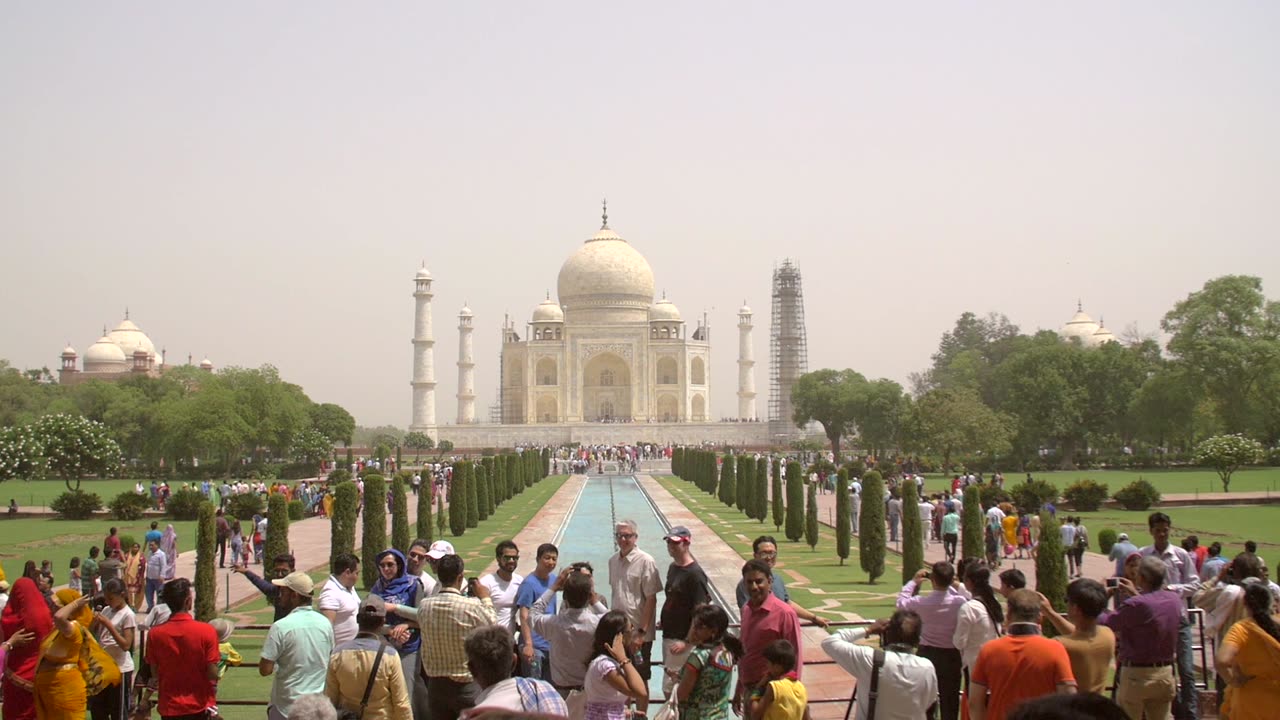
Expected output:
(258, 182)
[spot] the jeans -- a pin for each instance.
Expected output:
(948, 665)
(449, 698)
(153, 587)
(222, 552)
(949, 545)
(416, 684)
(1187, 705)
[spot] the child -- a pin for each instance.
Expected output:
(73, 580)
(230, 657)
(781, 696)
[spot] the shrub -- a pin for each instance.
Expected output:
(1106, 539)
(126, 542)
(992, 495)
(342, 526)
(184, 504)
(297, 510)
(298, 471)
(374, 527)
(871, 548)
(729, 481)
(399, 515)
(1051, 566)
(844, 518)
(76, 505)
(1138, 495)
(745, 485)
(129, 505)
(1086, 495)
(1032, 495)
(811, 517)
(245, 505)
(206, 556)
(971, 526)
(339, 475)
(277, 540)
(913, 538)
(795, 501)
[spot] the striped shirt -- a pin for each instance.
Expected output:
(445, 619)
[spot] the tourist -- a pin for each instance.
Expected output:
(1091, 648)
(339, 601)
(504, 583)
(111, 543)
(1181, 578)
(25, 614)
(183, 655)
(1010, 527)
(239, 554)
(926, 520)
(281, 565)
(74, 573)
(135, 575)
(89, 574)
(169, 544)
(60, 689)
(765, 549)
(950, 533)
(781, 696)
(686, 588)
(939, 611)
(569, 632)
(444, 620)
(490, 659)
(222, 530)
(1010, 580)
(397, 586)
(1250, 660)
(153, 535)
(420, 562)
(1213, 562)
(534, 649)
(705, 689)
(110, 567)
(1146, 627)
(297, 647)
(1121, 550)
(155, 572)
(980, 619)
(116, 627)
(907, 686)
(1019, 666)
(855, 505)
(1067, 533)
(352, 663)
(1081, 543)
(765, 619)
(314, 706)
(612, 679)
(634, 585)
(893, 511)
(1222, 599)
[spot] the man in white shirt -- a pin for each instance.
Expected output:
(338, 599)
(504, 584)
(634, 584)
(423, 555)
(908, 685)
(1181, 578)
(926, 520)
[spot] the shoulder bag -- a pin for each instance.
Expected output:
(344, 714)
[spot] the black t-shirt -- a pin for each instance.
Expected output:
(687, 588)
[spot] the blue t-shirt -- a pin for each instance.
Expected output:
(530, 590)
(152, 536)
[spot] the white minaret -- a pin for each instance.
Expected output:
(424, 372)
(466, 370)
(746, 367)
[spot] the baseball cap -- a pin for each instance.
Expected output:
(374, 606)
(298, 582)
(223, 627)
(439, 549)
(1123, 536)
(679, 533)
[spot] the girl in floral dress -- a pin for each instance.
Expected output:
(706, 681)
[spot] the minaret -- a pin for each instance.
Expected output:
(746, 367)
(466, 370)
(424, 373)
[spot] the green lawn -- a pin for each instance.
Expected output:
(1230, 525)
(1166, 481)
(32, 493)
(825, 579)
(58, 540)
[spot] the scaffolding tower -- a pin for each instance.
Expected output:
(788, 347)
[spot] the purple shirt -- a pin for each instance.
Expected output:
(939, 610)
(1146, 627)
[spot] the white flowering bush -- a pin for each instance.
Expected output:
(20, 453)
(1227, 453)
(68, 446)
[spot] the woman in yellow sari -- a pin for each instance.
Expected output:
(135, 575)
(1249, 660)
(60, 689)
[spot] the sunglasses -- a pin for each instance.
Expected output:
(625, 536)
(510, 558)
(418, 556)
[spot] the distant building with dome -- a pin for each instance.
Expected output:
(123, 352)
(1082, 327)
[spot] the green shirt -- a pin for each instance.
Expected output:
(88, 573)
(951, 524)
(299, 644)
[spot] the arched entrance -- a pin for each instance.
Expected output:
(606, 389)
(668, 409)
(547, 409)
(699, 413)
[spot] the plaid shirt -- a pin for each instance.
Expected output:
(445, 619)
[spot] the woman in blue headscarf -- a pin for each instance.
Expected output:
(396, 585)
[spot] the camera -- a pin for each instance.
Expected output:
(1113, 582)
(99, 602)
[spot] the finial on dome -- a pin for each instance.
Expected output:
(1079, 305)
(548, 295)
(604, 214)
(126, 312)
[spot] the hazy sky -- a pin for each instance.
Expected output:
(258, 182)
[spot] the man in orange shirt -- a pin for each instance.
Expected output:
(1019, 666)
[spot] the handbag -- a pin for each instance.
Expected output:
(670, 709)
(345, 714)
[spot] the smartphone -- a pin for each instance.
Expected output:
(1113, 582)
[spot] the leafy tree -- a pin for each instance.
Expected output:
(880, 415)
(458, 500)
(400, 514)
(968, 352)
(831, 397)
(72, 447)
(729, 481)
(1163, 410)
(913, 537)
(333, 422)
(795, 501)
(374, 528)
(20, 452)
(445, 446)
(1227, 453)
(425, 528)
(311, 447)
(956, 421)
(206, 568)
(811, 518)
(1051, 565)
(779, 510)
(342, 527)
(760, 496)
(473, 496)
(971, 525)
(482, 492)
(417, 442)
(844, 519)
(871, 530)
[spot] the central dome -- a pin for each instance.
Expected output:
(605, 272)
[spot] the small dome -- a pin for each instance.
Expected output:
(664, 311)
(205, 364)
(1103, 336)
(1080, 326)
(104, 356)
(130, 338)
(744, 310)
(464, 312)
(423, 274)
(548, 311)
(68, 350)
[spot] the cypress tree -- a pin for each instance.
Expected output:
(844, 519)
(513, 478)
(499, 478)
(811, 518)
(912, 535)
(458, 500)
(342, 527)
(871, 532)
(713, 473)
(442, 517)
(1051, 565)
(676, 455)
(532, 475)
(971, 526)
(795, 501)
(775, 489)
(729, 481)
(494, 500)
(473, 496)
(400, 538)
(760, 496)
(277, 540)
(397, 459)
(746, 484)
(374, 527)
(425, 527)
(482, 492)
(206, 567)
(351, 458)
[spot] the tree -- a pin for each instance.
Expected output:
(956, 421)
(795, 501)
(844, 519)
(729, 481)
(1051, 565)
(967, 353)
(871, 541)
(830, 397)
(515, 485)
(760, 496)
(206, 562)
(417, 442)
(442, 519)
(374, 528)
(333, 422)
(400, 514)
(880, 414)
(913, 537)
(746, 484)
(482, 492)
(20, 452)
(424, 526)
(458, 500)
(72, 447)
(445, 446)
(342, 527)
(1226, 453)
(971, 524)
(473, 496)
(277, 540)
(779, 510)
(811, 517)
(311, 447)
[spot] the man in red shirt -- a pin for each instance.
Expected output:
(765, 618)
(184, 656)
(1019, 666)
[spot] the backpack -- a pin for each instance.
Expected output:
(1082, 538)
